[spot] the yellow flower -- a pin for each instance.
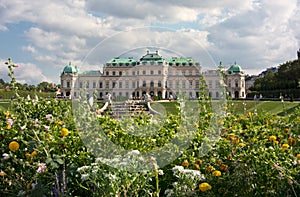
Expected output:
(2, 173)
(286, 130)
(199, 161)
(185, 163)
(28, 186)
(216, 173)
(242, 144)
(13, 146)
(64, 131)
(235, 140)
(285, 146)
(59, 122)
(204, 187)
(6, 113)
(291, 141)
(224, 167)
(196, 166)
(8, 126)
(27, 155)
(34, 153)
(209, 168)
(272, 138)
(298, 156)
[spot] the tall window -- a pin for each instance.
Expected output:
(100, 84)
(107, 73)
(107, 85)
(94, 84)
(87, 84)
(197, 84)
(191, 84)
(120, 84)
(126, 84)
(151, 72)
(80, 85)
(151, 84)
(113, 84)
(133, 84)
(120, 73)
(236, 83)
(68, 84)
(144, 83)
(159, 84)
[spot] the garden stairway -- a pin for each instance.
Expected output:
(129, 108)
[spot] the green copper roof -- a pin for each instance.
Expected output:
(121, 62)
(70, 69)
(152, 57)
(234, 69)
(176, 61)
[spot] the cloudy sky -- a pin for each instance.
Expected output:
(44, 36)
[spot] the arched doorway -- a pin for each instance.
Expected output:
(236, 94)
(151, 93)
(159, 94)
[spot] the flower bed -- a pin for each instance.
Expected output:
(43, 154)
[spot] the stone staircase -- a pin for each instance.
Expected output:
(129, 108)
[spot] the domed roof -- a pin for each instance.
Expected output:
(70, 69)
(234, 69)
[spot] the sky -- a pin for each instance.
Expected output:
(43, 36)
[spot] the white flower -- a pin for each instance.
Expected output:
(135, 152)
(5, 156)
(160, 172)
(83, 168)
(84, 177)
(177, 168)
(42, 167)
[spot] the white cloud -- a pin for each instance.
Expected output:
(261, 37)
(25, 72)
(255, 33)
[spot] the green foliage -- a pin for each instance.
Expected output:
(285, 81)
(43, 154)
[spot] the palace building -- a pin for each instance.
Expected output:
(151, 74)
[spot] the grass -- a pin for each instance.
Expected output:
(273, 107)
(239, 107)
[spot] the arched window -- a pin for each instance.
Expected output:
(151, 84)
(159, 84)
(236, 83)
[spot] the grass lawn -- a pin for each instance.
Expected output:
(239, 107)
(273, 107)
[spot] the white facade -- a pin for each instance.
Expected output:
(127, 77)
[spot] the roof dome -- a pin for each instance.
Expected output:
(70, 69)
(234, 69)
